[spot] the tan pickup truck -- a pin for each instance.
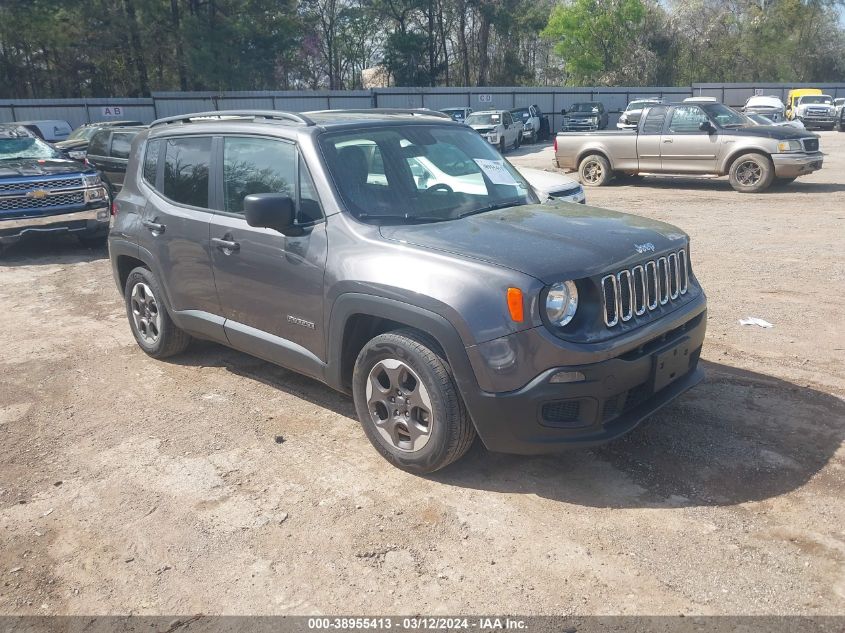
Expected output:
(692, 138)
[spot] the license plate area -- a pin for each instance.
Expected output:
(671, 364)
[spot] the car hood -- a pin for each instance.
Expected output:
(549, 242)
(779, 132)
(39, 167)
(546, 180)
(77, 143)
(482, 129)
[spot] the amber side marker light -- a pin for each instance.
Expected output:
(515, 304)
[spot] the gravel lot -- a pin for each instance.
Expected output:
(129, 485)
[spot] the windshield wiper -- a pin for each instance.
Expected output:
(402, 219)
(492, 207)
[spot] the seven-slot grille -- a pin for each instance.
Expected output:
(633, 292)
(29, 185)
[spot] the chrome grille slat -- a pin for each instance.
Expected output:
(639, 290)
(626, 295)
(684, 268)
(54, 200)
(611, 295)
(651, 284)
(645, 287)
(674, 274)
(29, 185)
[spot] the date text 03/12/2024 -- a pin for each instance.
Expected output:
(418, 623)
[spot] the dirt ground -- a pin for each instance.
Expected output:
(129, 485)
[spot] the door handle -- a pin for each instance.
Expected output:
(154, 227)
(227, 246)
(668, 140)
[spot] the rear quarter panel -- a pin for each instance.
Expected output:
(619, 146)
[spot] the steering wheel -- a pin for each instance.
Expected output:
(441, 186)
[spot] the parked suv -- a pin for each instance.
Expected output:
(76, 145)
(445, 309)
(41, 191)
(108, 152)
(498, 127)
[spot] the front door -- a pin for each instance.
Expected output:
(270, 285)
(686, 149)
(648, 139)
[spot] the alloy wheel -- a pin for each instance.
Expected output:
(592, 171)
(145, 313)
(749, 173)
(399, 405)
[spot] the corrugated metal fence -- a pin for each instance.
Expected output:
(550, 100)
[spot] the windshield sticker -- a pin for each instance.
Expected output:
(495, 171)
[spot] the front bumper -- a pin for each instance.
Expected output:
(89, 221)
(819, 121)
(794, 165)
(616, 395)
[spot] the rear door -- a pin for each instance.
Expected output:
(648, 139)
(684, 148)
(270, 285)
(175, 227)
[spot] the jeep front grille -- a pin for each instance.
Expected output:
(810, 144)
(634, 292)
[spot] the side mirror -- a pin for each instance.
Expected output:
(706, 126)
(271, 211)
(563, 110)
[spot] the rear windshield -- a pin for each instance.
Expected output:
(585, 107)
(25, 147)
(639, 105)
(419, 174)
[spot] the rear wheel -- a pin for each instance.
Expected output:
(594, 170)
(408, 404)
(751, 173)
(151, 325)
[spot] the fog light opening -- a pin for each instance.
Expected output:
(567, 376)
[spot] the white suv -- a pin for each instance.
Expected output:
(498, 127)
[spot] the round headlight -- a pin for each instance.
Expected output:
(562, 302)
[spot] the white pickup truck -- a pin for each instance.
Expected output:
(535, 125)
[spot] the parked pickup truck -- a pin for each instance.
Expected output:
(693, 138)
(43, 192)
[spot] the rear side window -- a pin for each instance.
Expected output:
(653, 123)
(256, 165)
(151, 162)
(120, 144)
(99, 144)
(186, 162)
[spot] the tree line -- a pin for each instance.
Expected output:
(81, 48)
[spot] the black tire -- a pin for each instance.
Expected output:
(751, 173)
(170, 340)
(518, 141)
(594, 170)
(450, 431)
(502, 146)
(783, 182)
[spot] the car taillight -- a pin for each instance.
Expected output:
(555, 144)
(113, 207)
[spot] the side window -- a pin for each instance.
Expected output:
(256, 165)
(309, 205)
(654, 121)
(120, 144)
(186, 163)
(686, 119)
(98, 146)
(151, 162)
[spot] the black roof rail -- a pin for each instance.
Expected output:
(416, 111)
(270, 115)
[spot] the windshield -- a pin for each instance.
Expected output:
(816, 99)
(724, 116)
(25, 147)
(484, 119)
(457, 114)
(420, 174)
(584, 107)
(521, 113)
(639, 105)
(759, 119)
(82, 133)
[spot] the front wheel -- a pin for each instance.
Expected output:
(502, 145)
(594, 170)
(751, 173)
(151, 325)
(408, 404)
(518, 141)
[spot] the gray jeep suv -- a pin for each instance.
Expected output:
(446, 308)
